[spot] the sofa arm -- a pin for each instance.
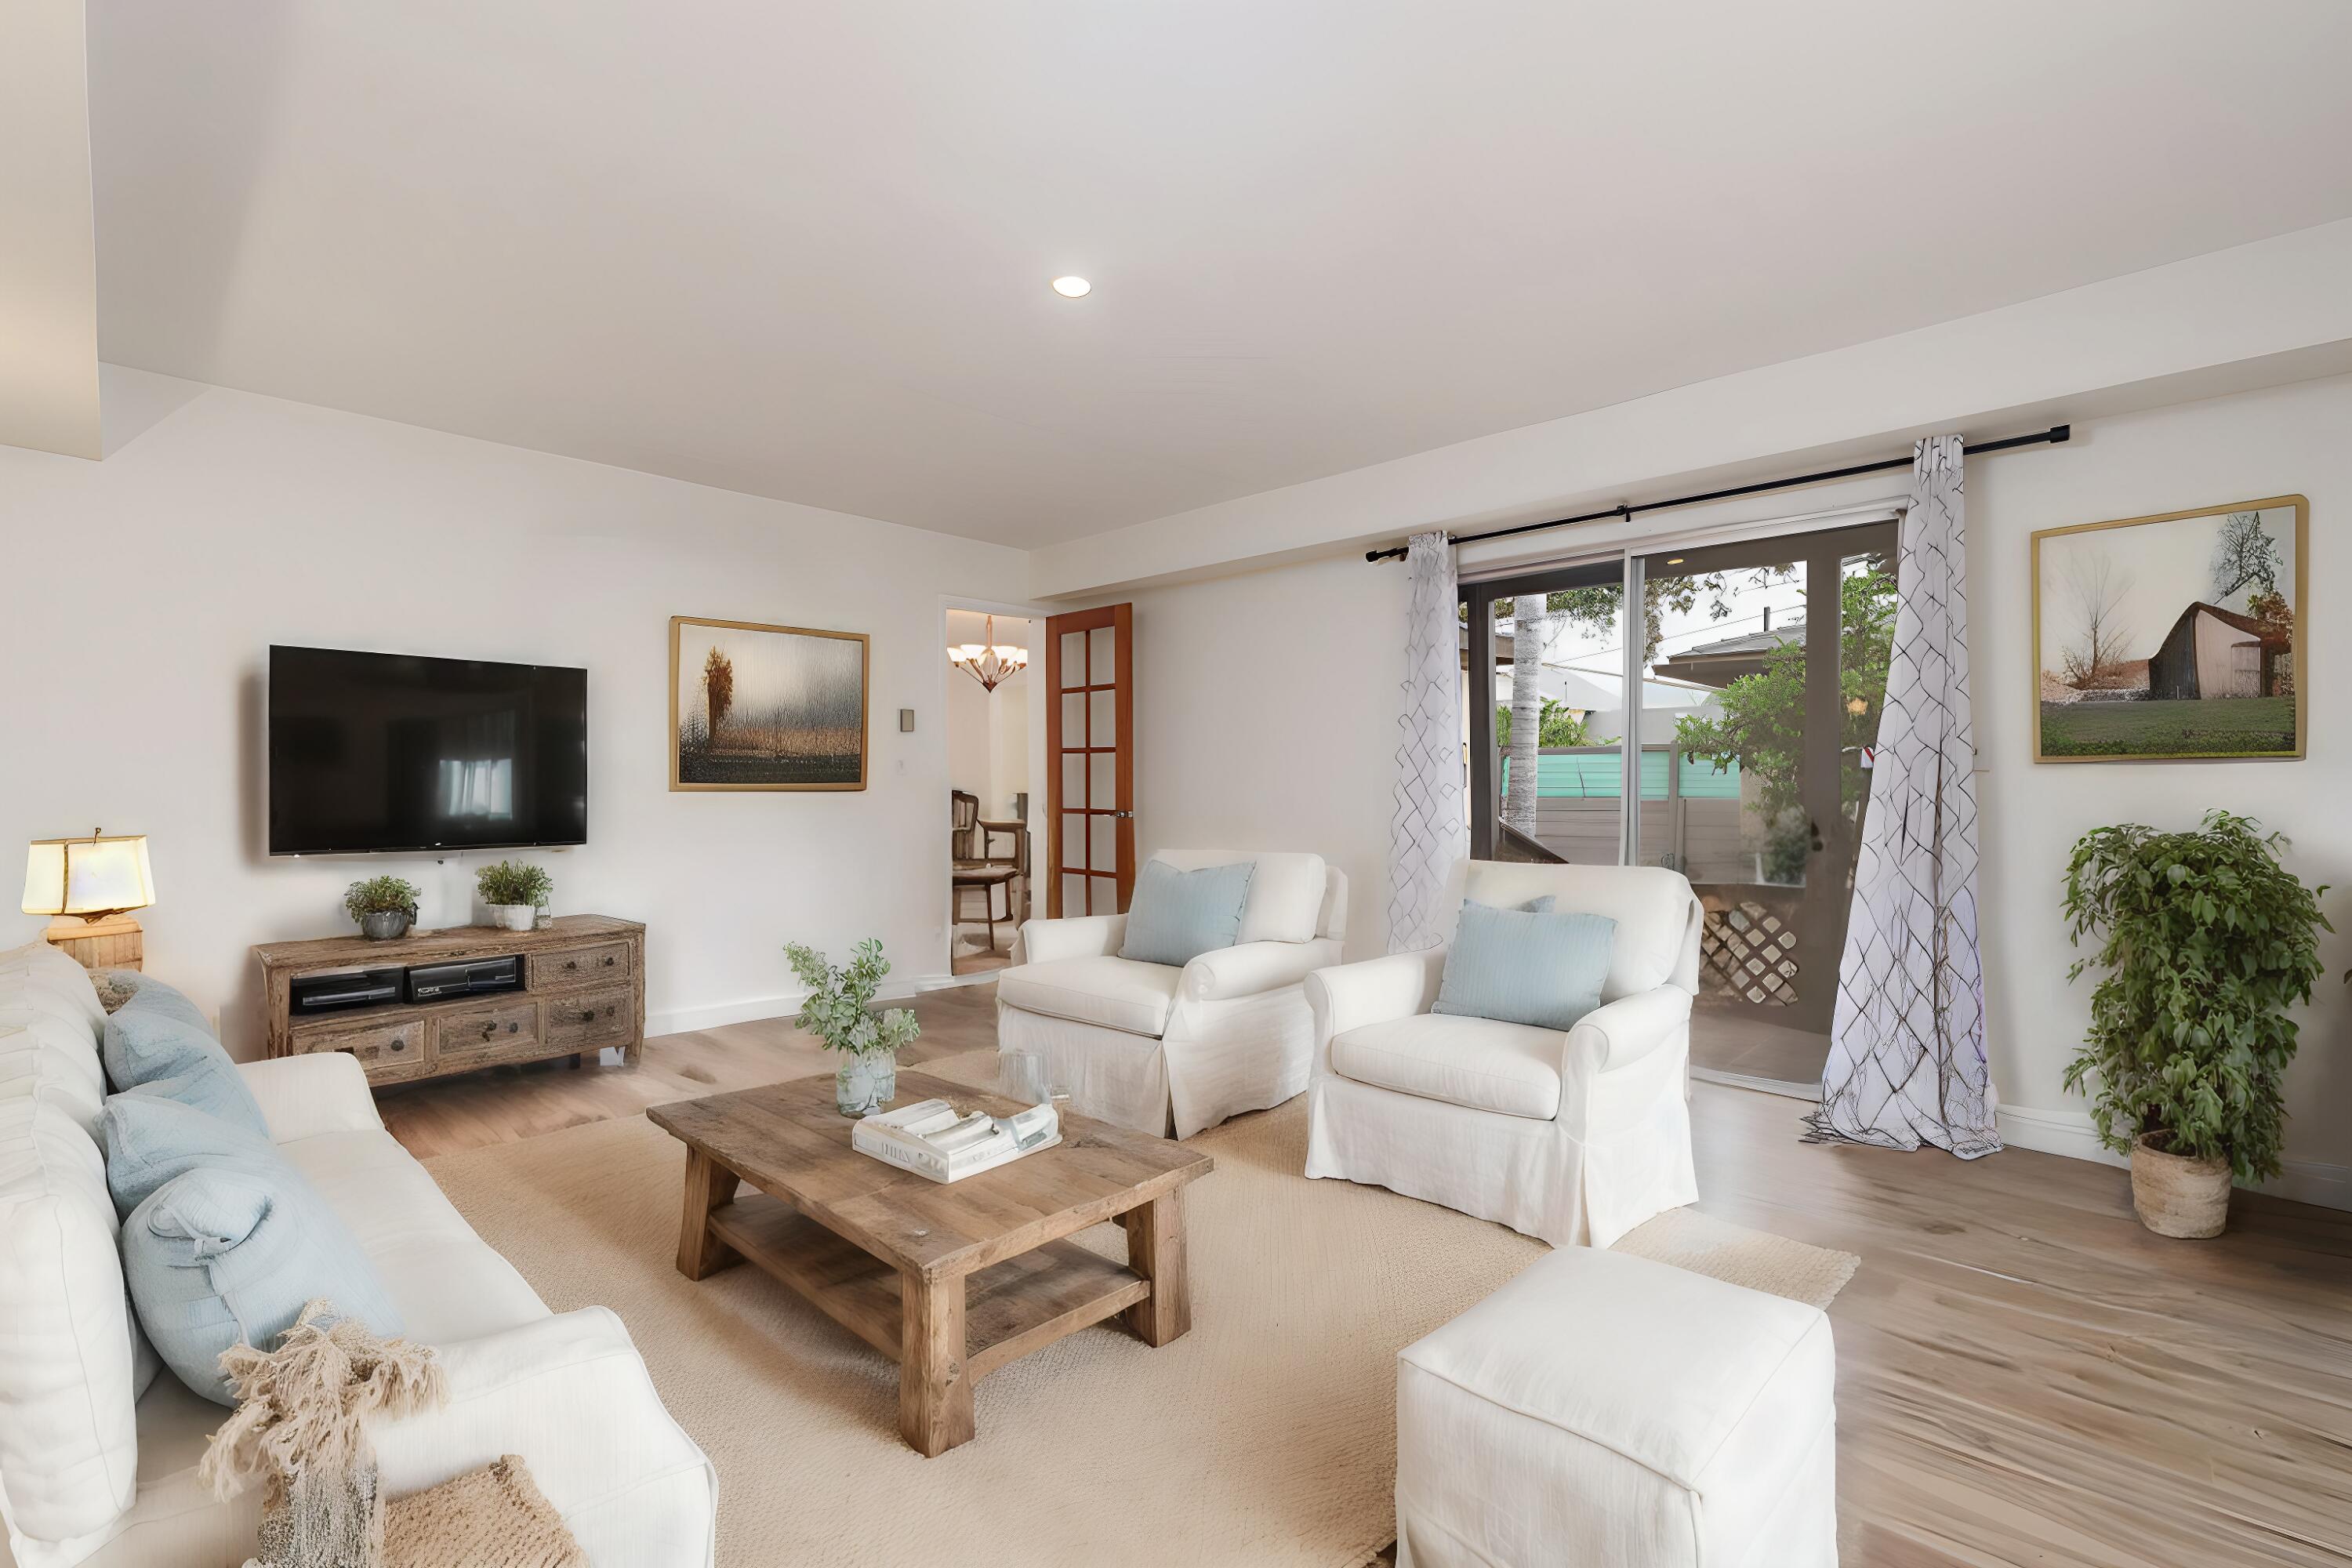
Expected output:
(1630, 1027)
(1081, 936)
(301, 1096)
(1374, 991)
(572, 1397)
(1250, 967)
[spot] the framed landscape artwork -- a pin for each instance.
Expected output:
(2171, 636)
(759, 707)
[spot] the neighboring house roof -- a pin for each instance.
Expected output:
(1745, 643)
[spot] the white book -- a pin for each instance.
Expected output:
(931, 1139)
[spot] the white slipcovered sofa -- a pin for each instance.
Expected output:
(1573, 1136)
(1171, 1051)
(98, 1446)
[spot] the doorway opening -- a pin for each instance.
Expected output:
(1725, 732)
(989, 786)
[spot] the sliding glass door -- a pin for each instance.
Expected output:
(1756, 679)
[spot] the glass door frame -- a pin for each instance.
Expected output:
(1820, 929)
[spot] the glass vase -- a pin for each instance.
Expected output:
(863, 1085)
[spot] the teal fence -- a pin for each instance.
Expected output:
(1596, 773)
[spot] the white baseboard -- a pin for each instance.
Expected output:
(684, 1020)
(2071, 1133)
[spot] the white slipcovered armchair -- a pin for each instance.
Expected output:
(1172, 1051)
(1574, 1137)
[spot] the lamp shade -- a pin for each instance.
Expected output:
(90, 877)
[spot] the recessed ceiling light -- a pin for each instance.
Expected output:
(1072, 288)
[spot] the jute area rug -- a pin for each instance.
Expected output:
(1266, 1437)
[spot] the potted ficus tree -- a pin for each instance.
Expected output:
(839, 1010)
(2207, 941)
(513, 893)
(384, 907)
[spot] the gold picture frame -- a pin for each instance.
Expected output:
(2180, 645)
(782, 705)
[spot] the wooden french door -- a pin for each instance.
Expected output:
(1090, 761)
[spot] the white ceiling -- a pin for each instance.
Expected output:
(802, 250)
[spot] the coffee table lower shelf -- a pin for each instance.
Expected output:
(1011, 1309)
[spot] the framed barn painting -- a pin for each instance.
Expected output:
(2178, 635)
(759, 707)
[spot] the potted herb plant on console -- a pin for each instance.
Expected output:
(384, 907)
(514, 892)
(839, 1010)
(2207, 942)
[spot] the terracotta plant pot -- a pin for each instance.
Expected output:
(2176, 1196)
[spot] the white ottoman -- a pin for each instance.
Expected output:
(1606, 1410)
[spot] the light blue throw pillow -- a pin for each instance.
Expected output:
(150, 1137)
(150, 996)
(149, 1045)
(1526, 966)
(230, 1254)
(1176, 916)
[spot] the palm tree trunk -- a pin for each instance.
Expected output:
(1530, 637)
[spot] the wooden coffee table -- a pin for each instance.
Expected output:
(950, 1280)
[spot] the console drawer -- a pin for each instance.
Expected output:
(483, 1036)
(607, 961)
(390, 1052)
(596, 1019)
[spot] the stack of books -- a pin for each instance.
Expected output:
(934, 1140)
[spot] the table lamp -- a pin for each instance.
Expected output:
(90, 886)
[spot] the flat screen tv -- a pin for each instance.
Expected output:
(389, 752)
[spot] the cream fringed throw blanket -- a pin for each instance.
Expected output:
(299, 1429)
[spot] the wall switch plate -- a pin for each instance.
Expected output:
(905, 720)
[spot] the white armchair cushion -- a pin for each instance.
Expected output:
(1285, 892)
(1075, 936)
(1632, 1026)
(1652, 907)
(1487, 1066)
(1115, 992)
(1252, 967)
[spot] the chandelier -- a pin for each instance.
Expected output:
(991, 663)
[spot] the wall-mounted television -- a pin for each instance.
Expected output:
(373, 752)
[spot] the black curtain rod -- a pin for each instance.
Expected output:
(2052, 436)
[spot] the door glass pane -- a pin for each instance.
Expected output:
(1102, 656)
(1074, 894)
(1106, 894)
(1104, 766)
(1557, 691)
(1074, 778)
(1725, 686)
(1766, 674)
(1074, 659)
(1103, 856)
(1103, 724)
(1074, 841)
(1073, 718)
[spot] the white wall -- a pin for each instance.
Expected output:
(146, 590)
(1265, 717)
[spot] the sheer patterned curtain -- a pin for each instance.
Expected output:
(1906, 1063)
(1428, 832)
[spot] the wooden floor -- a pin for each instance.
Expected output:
(2025, 1376)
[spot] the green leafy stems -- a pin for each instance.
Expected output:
(839, 1009)
(512, 882)
(381, 896)
(2207, 941)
